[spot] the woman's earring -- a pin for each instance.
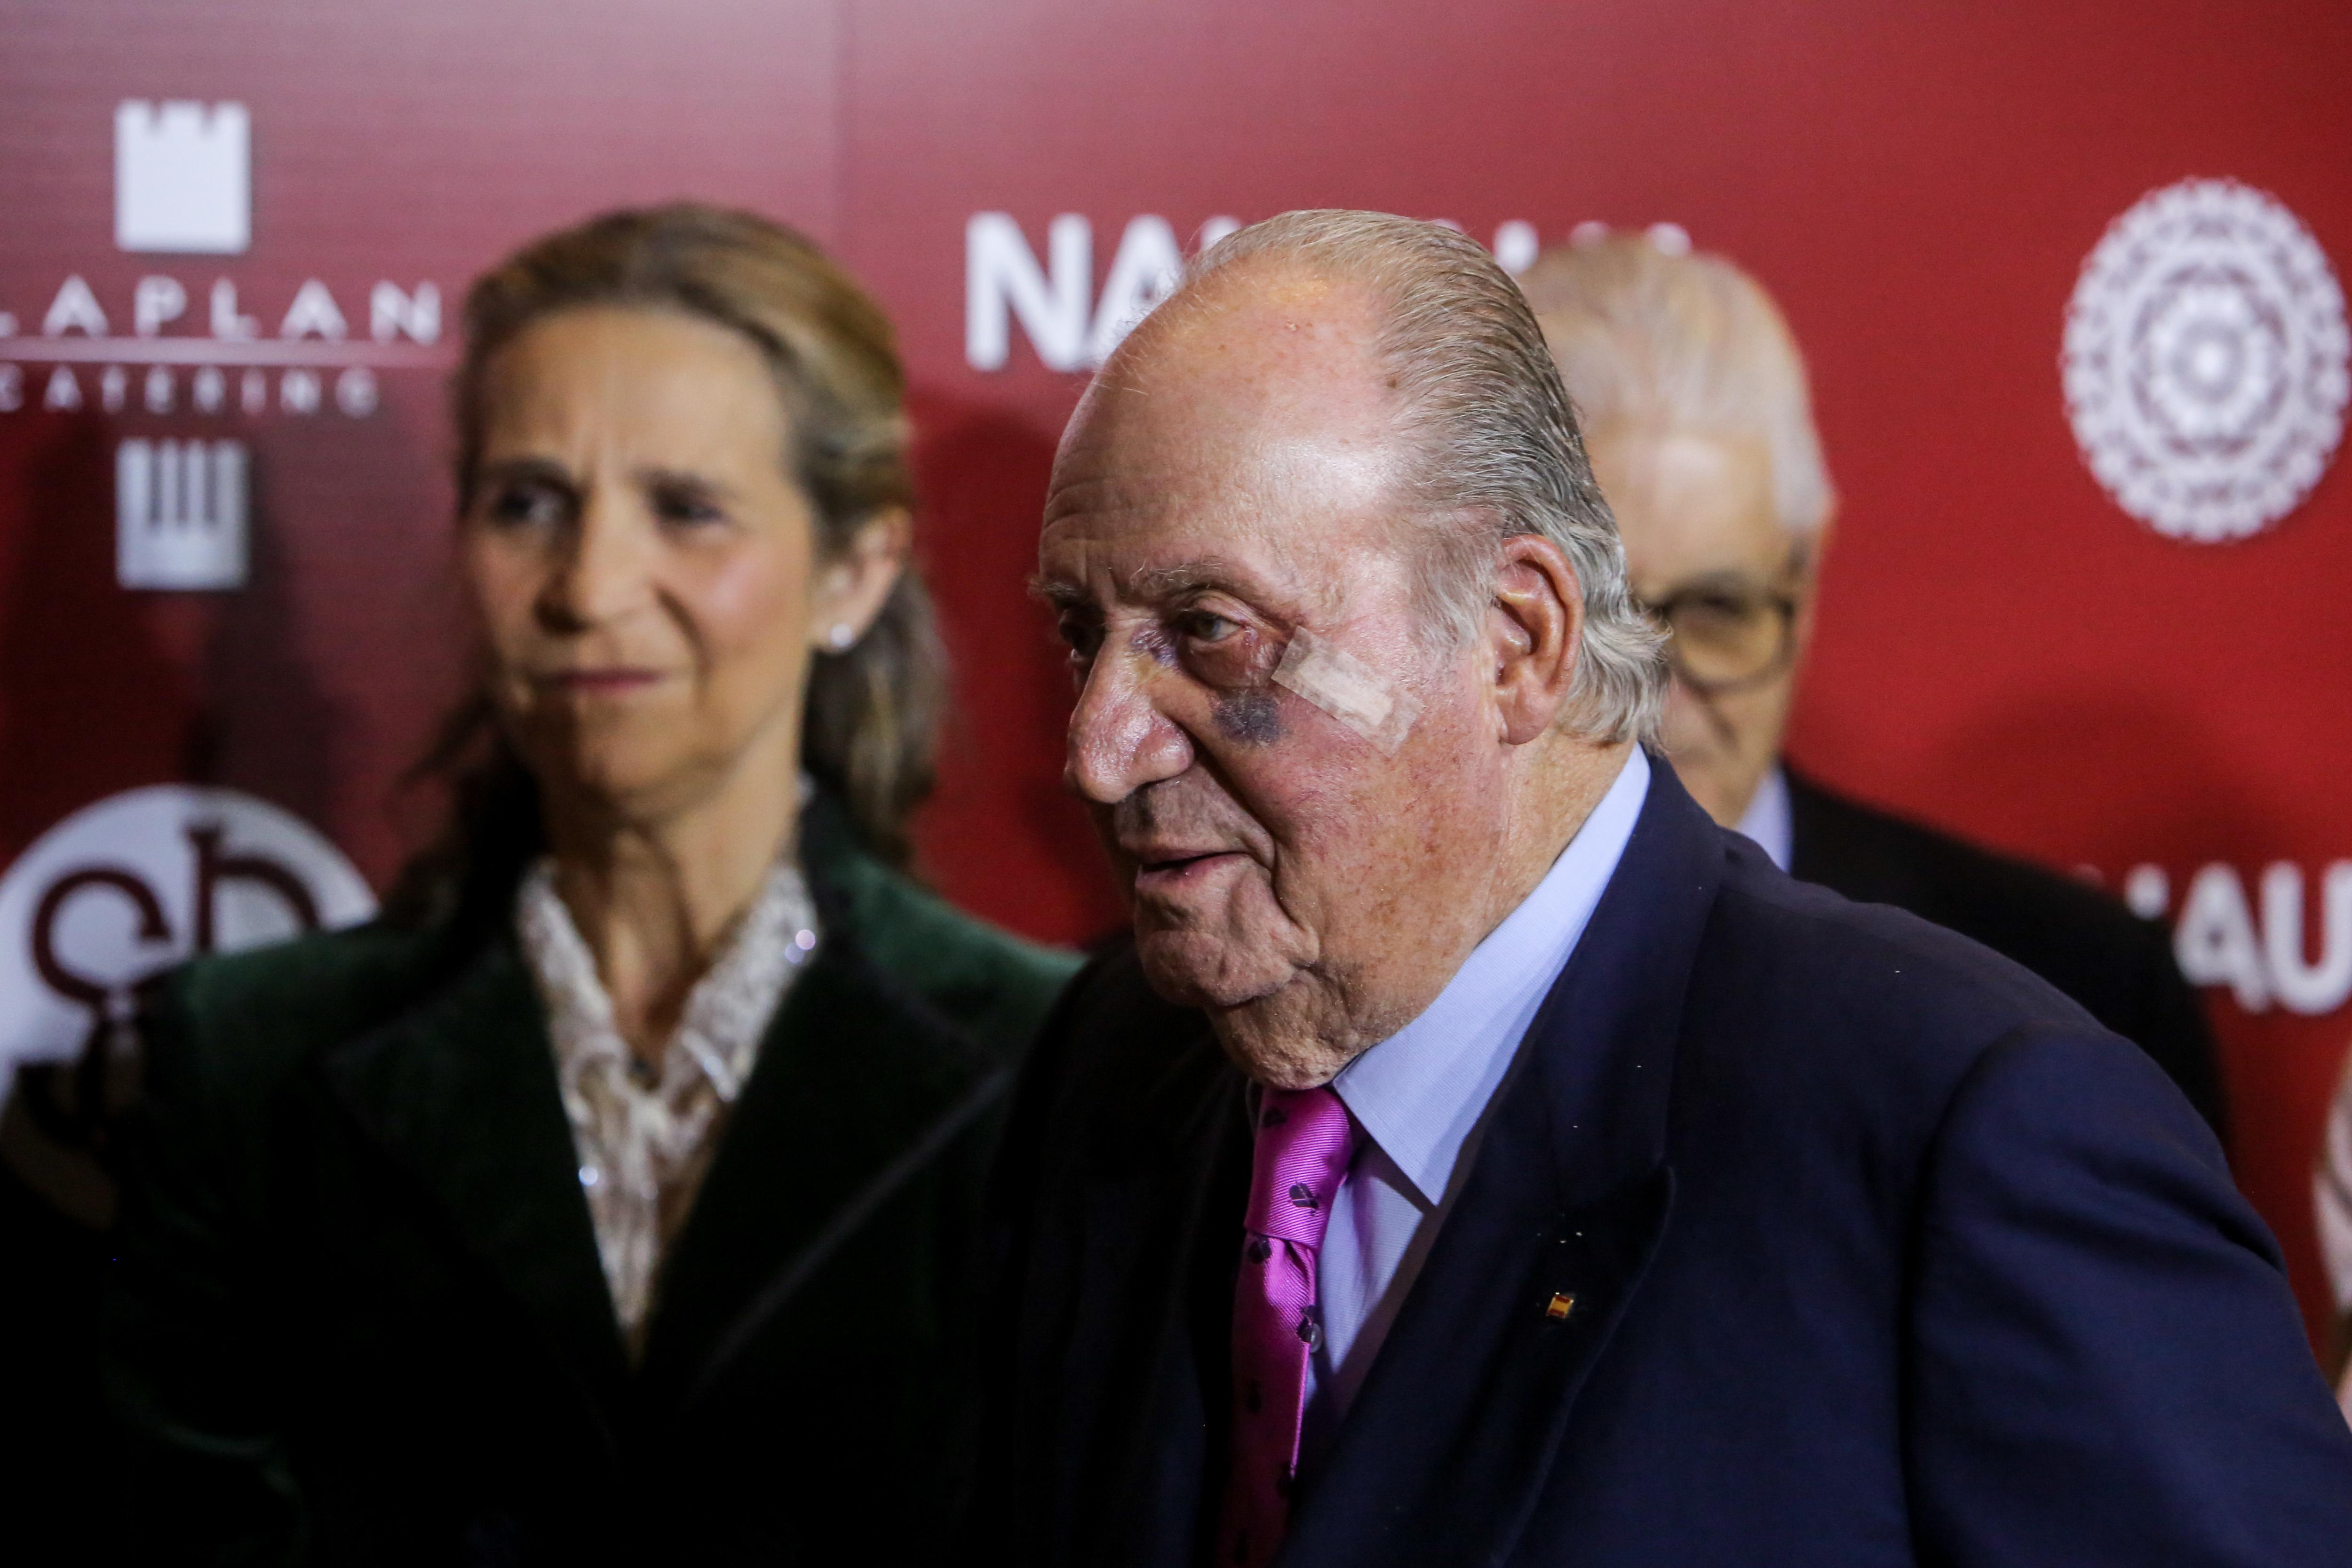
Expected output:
(840, 637)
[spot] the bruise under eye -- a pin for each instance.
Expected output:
(1252, 718)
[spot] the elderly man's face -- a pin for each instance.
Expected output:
(1232, 481)
(1703, 542)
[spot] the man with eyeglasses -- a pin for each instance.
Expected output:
(1700, 430)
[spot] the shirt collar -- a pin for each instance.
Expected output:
(1419, 1093)
(1766, 821)
(726, 1013)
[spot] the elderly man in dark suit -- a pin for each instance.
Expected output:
(1699, 419)
(1480, 1156)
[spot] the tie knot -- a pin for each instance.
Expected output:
(1304, 1142)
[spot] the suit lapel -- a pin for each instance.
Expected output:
(462, 1092)
(854, 1073)
(1443, 1455)
(1167, 1192)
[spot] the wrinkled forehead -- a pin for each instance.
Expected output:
(1253, 418)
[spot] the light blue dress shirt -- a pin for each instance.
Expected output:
(1419, 1097)
(1767, 819)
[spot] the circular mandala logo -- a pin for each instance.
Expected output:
(2205, 361)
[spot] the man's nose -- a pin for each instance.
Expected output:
(602, 572)
(1119, 740)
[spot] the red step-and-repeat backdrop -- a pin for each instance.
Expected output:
(233, 238)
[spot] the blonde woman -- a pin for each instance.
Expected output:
(612, 1198)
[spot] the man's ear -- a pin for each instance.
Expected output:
(851, 585)
(1534, 627)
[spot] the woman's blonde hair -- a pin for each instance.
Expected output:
(872, 710)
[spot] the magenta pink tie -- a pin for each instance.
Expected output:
(1304, 1142)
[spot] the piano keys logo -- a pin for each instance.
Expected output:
(198, 342)
(2205, 361)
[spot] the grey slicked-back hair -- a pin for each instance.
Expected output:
(1501, 455)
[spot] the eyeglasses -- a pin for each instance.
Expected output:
(1727, 634)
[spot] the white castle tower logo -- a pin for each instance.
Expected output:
(180, 514)
(182, 177)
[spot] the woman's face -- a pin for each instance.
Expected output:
(643, 567)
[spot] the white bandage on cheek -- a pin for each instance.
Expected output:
(1349, 689)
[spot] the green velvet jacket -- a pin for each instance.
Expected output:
(357, 1313)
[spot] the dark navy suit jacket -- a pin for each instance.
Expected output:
(1880, 1251)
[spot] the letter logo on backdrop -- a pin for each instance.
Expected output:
(182, 177)
(1004, 282)
(2206, 361)
(184, 348)
(2260, 950)
(115, 893)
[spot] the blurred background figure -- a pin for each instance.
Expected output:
(2332, 1200)
(1699, 422)
(610, 1199)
